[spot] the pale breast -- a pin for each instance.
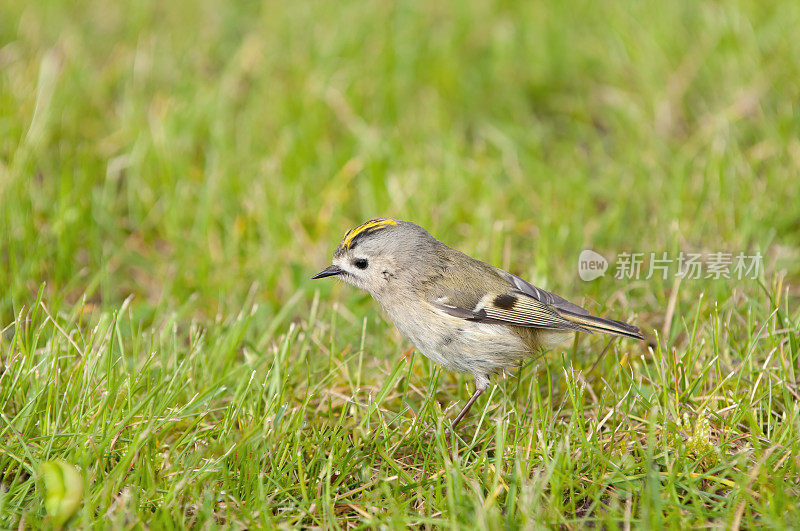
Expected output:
(460, 345)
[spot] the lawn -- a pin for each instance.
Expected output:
(173, 173)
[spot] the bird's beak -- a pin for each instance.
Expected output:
(329, 272)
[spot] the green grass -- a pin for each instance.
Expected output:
(172, 173)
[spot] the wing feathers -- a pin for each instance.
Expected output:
(551, 299)
(512, 301)
(513, 308)
(606, 326)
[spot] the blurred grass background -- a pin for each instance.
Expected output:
(191, 149)
(203, 157)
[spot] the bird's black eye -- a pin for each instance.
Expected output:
(361, 263)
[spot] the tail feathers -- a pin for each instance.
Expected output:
(601, 324)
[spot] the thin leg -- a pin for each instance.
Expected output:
(481, 384)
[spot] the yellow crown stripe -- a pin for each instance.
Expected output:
(374, 224)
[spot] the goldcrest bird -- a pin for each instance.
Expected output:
(463, 314)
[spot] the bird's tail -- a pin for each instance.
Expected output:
(603, 325)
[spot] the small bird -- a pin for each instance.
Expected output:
(461, 313)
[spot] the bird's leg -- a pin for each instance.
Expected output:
(481, 384)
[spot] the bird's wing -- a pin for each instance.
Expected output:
(509, 308)
(507, 300)
(546, 297)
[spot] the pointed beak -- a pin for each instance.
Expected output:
(329, 272)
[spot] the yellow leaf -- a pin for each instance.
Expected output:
(63, 490)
